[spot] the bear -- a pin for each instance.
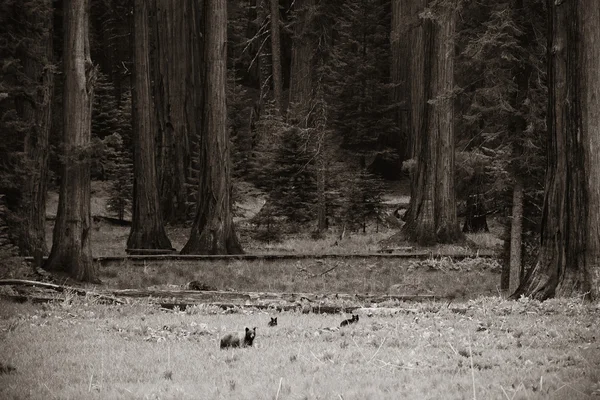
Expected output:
(273, 321)
(234, 340)
(349, 321)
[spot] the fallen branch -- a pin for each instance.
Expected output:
(60, 288)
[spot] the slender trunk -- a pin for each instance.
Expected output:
(147, 229)
(432, 208)
(194, 102)
(212, 230)
(37, 65)
(276, 56)
(71, 246)
(301, 81)
(569, 258)
(264, 59)
(320, 123)
(516, 237)
(403, 23)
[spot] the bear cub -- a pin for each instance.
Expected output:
(350, 321)
(273, 321)
(234, 340)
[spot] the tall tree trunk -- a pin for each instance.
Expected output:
(432, 211)
(264, 59)
(320, 123)
(516, 232)
(172, 78)
(212, 230)
(415, 34)
(264, 63)
(71, 247)
(301, 81)
(37, 65)
(147, 229)
(404, 20)
(569, 258)
(276, 56)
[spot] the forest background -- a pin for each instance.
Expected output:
(320, 104)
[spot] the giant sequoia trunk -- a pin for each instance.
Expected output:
(147, 229)
(71, 247)
(432, 211)
(37, 65)
(173, 75)
(212, 230)
(569, 258)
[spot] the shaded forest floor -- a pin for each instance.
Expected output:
(109, 236)
(492, 349)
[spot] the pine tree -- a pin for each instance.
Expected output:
(364, 200)
(358, 85)
(121, 177)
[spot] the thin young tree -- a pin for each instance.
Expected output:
(301, 77)
(276, 55)
(403, 21)
(147, 228)
(431, 216)
(213, 230)
(568, 261)
(71, 247)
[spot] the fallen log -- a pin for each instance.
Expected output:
(61, 288)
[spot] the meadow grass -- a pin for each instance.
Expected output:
(486, 349)
(443, 277)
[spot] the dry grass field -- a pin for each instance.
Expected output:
(487, 348)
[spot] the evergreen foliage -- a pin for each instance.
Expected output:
(21, 28)
(357, 80)
(501, 71)
(121, 186)
(111, 129)
(364, 200)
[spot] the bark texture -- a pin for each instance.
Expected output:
(569, 259)
(37, 65)
(212, 230)
(516, 231)
(71, 248)
(431, 216)
(173, 81)
(147, 229)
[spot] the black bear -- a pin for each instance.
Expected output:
(273, 321)
(349, 321)
(234, 340)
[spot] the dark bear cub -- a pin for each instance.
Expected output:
(350, 321)
(234, 340)
(273, 321)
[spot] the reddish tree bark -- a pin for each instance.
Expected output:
(71, 247)
(213, 230)
(147, 229)
(431, 216)
(569, 258)
(37, 65)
